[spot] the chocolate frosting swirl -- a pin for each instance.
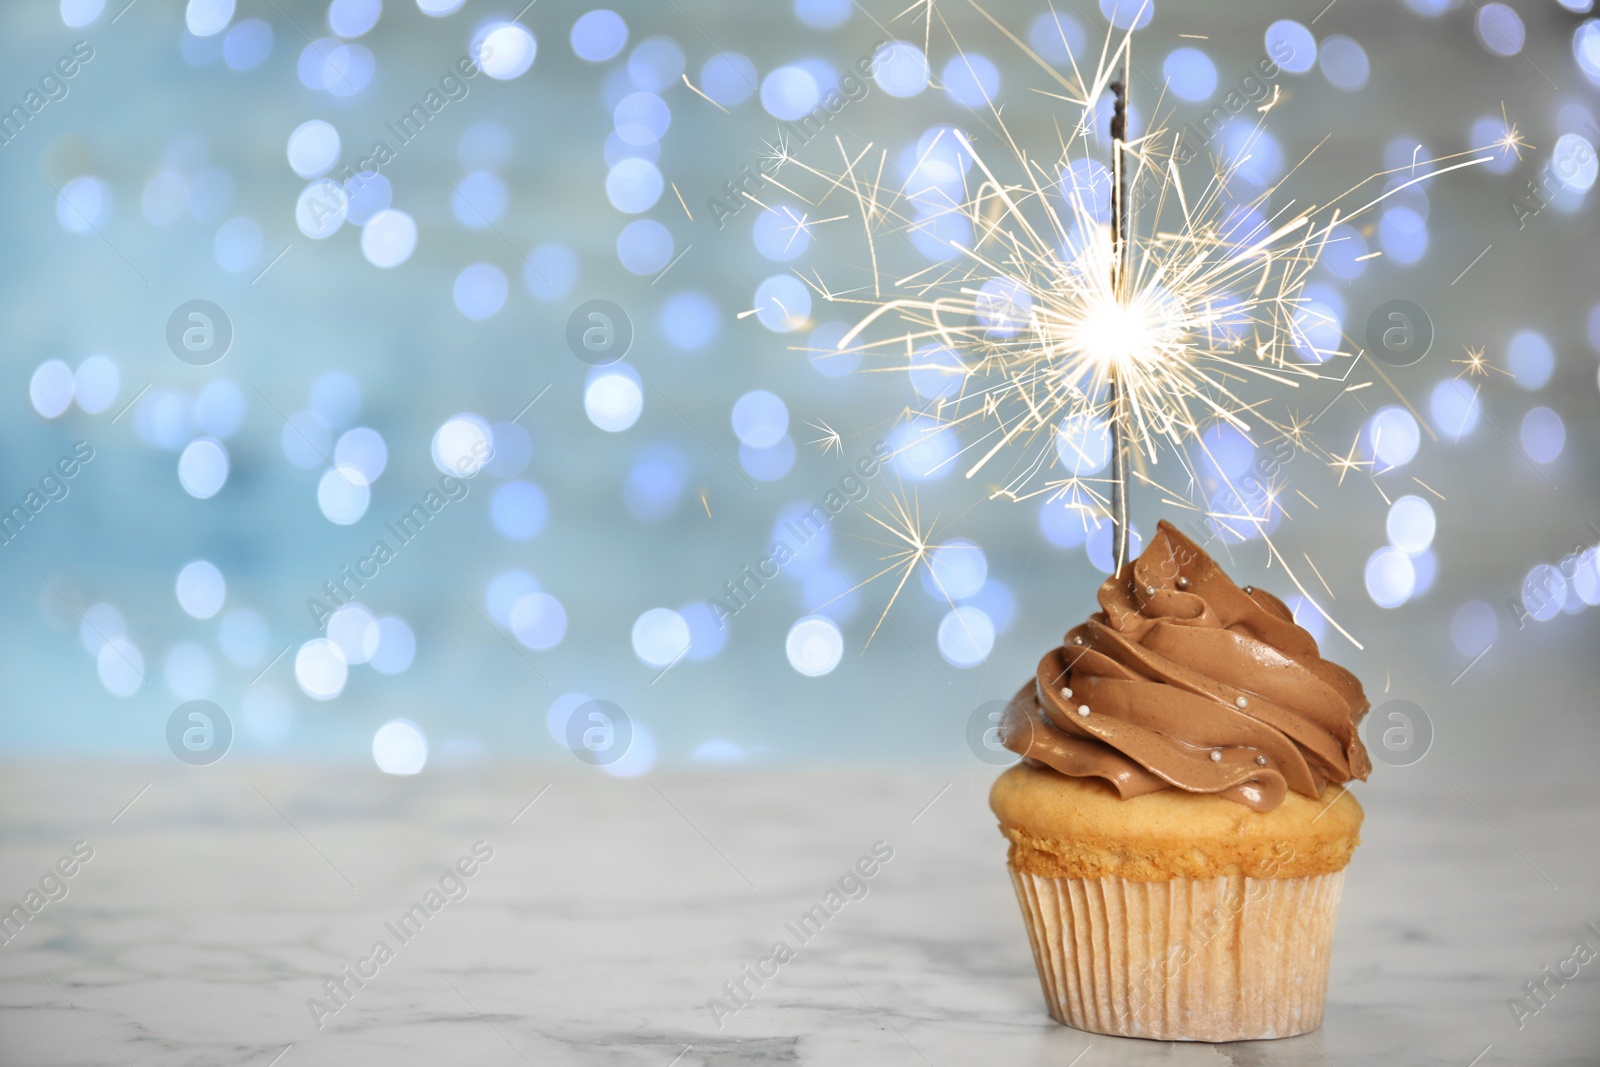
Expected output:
(1191, 683)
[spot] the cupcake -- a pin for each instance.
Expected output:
(1179, 824)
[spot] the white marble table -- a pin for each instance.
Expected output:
(216, 904)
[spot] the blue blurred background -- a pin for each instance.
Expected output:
(389, 329)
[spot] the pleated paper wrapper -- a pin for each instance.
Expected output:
(1218, 959)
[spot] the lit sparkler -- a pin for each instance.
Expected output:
(1047, 308)
(1069, 298)
(1053, 313)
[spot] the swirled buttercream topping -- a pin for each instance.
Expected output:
(1185, 681)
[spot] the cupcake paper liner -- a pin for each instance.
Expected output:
(1218, 959)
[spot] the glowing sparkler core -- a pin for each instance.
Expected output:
(1115, 336)
(1108, 334)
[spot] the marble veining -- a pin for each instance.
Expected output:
(219, 905)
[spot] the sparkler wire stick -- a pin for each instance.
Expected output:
(1119, 229)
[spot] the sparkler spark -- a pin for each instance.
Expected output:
(1476, 363)
(1347, 463)
(1511, 141)
(830, 439)
(910, 546)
